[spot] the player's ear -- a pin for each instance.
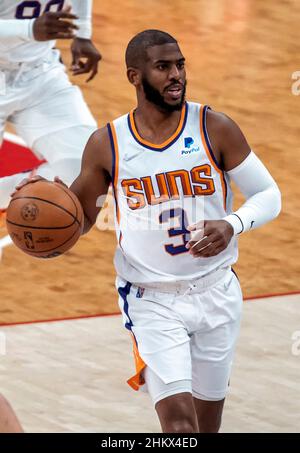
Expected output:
(134, 76)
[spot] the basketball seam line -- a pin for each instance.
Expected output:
(50, 202)
(30, 227)
(70, 199)
(54, 248)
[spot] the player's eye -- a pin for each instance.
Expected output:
(162, 67)
(180, 65)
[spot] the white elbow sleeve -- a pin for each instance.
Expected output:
(83, 9)
(14, 28)
(263, 198)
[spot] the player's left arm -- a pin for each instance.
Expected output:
(263, 198)
(85, 56)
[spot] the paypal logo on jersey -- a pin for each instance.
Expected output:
(188, 142)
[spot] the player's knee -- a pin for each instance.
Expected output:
(180, 418)
(210, 424)
(3, 401)
(183, 425)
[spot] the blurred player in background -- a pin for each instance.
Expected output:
(36, 96)
(38, 99)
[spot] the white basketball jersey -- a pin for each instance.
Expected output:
(16, 49)
(160, 190)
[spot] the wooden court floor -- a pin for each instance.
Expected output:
(70, 376)
(240, 58)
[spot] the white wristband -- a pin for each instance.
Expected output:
(83, 10)
(236, 223)
(85, 29)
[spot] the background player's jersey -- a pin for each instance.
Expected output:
(19, 50)
(159, 191)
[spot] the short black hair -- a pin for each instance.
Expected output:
(136, 52)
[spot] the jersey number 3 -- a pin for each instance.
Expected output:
(32, 9)
(180, 215)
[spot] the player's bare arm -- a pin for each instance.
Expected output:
(230, 150)
(92, 184)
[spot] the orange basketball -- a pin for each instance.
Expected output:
(44, 219)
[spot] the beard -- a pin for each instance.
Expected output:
(154, 96)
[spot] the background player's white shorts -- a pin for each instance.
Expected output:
(40, 100)
(186, 338)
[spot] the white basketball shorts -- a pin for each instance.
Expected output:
(186, 334)
(39, 99)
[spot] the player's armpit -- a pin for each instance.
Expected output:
(92, 184)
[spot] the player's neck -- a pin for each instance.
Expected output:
(155, 125)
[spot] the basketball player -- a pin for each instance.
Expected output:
(170, 163)
(36, 96)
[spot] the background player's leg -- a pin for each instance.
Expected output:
(9, 422)
(63, 151)
(55, 122)
(209, 415)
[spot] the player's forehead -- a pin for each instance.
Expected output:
(165, 52)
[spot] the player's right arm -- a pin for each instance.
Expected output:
(91, 186)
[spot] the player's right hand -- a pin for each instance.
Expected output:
(53, 26)
(34, 179)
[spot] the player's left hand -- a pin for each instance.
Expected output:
(210, 238)
(85, 57)
(32, 180)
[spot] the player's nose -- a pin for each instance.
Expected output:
(174, 73)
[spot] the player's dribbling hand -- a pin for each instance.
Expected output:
(34, 179)
(85, 58)
(210, 238)
(53, 26)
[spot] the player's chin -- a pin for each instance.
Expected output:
(174, 104)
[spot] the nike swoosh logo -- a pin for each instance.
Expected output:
(128, 158)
